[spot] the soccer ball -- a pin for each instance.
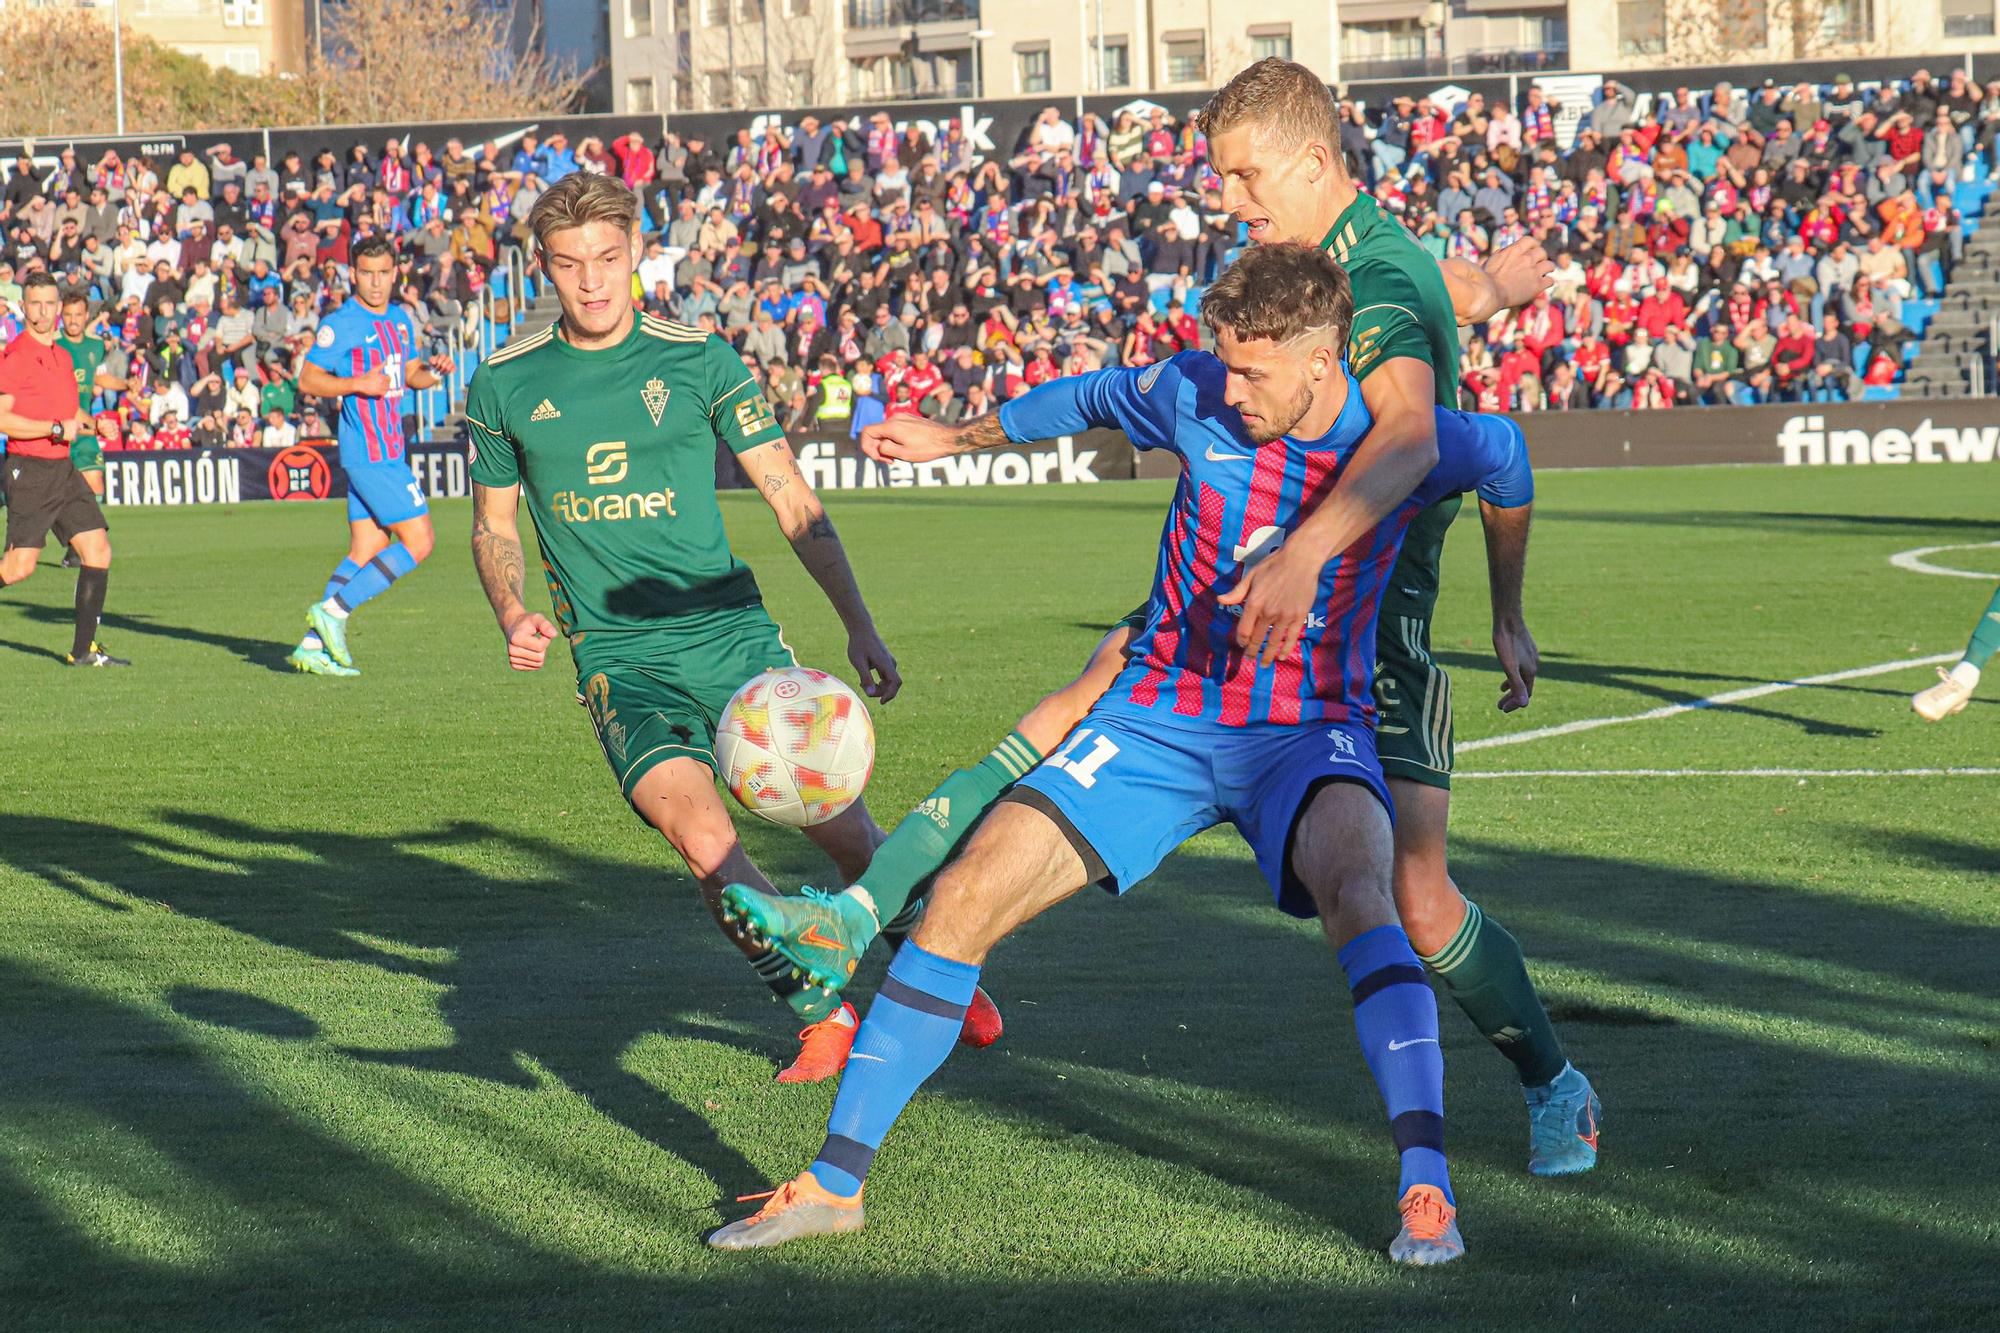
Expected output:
(795, 746)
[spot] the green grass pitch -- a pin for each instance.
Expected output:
(334, 1004)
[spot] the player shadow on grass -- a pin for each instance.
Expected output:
(1772, 520)
(1121, 1035)
(563, 971)
(1662, 684)
(257, 652)
(1681, 955)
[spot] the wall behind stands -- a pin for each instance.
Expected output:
(995, 125)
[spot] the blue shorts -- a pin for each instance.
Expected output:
(1130, 789)
(385, 492)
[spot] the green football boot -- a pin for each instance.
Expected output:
(821, 934)
(318, 662)
(332, 631)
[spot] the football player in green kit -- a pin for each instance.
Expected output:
(605, 425)
(1273, 138)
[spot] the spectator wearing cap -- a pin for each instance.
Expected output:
(1614, 111)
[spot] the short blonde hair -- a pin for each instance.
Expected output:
(581, 197)
(1281, 291)
(1278, 96)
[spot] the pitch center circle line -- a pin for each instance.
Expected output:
(1916, 562)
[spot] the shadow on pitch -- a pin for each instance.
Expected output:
(1665, 685)
(566, 968)
(1772, 520)
(257, 652)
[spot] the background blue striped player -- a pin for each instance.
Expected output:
(366, 354)
(1195, 732)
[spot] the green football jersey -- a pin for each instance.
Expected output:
(1401, 308)
(86, 356)
(614, 451)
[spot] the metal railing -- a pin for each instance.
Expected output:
(925, 92)
(897, 13)
(435, 405)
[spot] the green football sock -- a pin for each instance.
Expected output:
(919, 846)
(1985, 639)
(1484, 972)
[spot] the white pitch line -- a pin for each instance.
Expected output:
(1712, 701)
(1740, 773)
(1914, 561)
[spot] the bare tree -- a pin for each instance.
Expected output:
(803, 51)
(1714, 32)
(440, 60)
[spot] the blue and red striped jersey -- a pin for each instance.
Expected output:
(1235, 504)
(353, 340)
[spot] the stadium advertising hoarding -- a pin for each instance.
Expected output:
(1943, 431)
(837, 464)
(227, 476)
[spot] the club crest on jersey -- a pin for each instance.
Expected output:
(654, 396)
(1151, 374)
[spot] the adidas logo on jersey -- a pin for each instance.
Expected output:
(937, 809)
(546, 412)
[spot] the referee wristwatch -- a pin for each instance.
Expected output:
(56, 431)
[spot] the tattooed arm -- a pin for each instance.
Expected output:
(919, 440)
(497, 555)
(774, 471)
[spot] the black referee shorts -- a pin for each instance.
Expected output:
(45, 494)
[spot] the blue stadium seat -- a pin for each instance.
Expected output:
(1861, 359)
(1881, 393)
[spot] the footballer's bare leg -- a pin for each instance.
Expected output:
(1343, 851)
(1017, 864)
(1057, 714)
(1484, 972)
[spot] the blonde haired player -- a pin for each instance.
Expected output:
(606, 425)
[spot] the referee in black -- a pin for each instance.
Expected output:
(40, 417)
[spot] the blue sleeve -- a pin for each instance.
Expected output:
(1144, 403)
(1487, 454)
(329, 346)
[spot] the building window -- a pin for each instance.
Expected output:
(714, 13)
(1271, 40)
(681, 20)
(798, 9)
(754, 94)
(1031, 69)
(638, 18)
(1968, 18)
(1642, 28)
(1187, 58)
(1390, 39)
(800, 75)
(639, 97)
(750, 11)
(684, 92)
(244, 60)
(1117, 70)
(721, 90)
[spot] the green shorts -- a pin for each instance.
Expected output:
(654, 697)
(1412, 692)
(86, 454)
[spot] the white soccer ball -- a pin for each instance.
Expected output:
(795, 746)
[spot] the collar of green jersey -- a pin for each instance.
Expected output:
(1354, 222)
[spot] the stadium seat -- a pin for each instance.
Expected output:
(1881, 393)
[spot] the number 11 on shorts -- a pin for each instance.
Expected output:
(1084, 770)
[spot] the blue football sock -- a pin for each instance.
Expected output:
(910, 1029)
(342, 573)
(1396, 1017)
(375, 577)
(335, 581)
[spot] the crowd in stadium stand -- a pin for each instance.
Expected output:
(1731, 246)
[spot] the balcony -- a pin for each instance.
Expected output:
(941, 92)
(1490, 60)
(907, 13)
